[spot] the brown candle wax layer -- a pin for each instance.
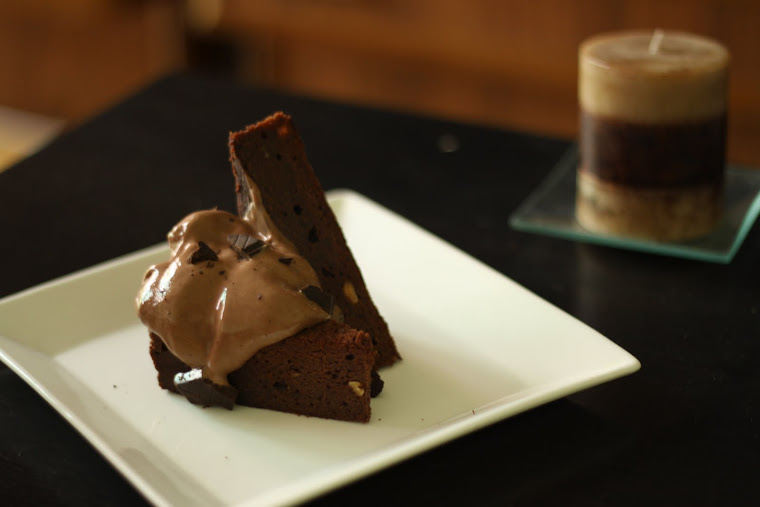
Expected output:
(653, 155)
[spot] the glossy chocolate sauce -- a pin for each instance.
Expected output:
(233, 285)
(653, 155)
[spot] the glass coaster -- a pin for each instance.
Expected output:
(550, 210)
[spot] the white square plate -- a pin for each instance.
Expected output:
(477, 348)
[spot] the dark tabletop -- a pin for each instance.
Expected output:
(684, 430)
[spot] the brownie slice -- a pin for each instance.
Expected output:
(327, 370)
(323, 371)
(273, 155)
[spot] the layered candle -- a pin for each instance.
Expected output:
(652, 134)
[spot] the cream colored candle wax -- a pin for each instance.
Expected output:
(652, 136)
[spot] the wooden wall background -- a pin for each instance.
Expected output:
(509, 63)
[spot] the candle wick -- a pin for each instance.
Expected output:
(655, 41)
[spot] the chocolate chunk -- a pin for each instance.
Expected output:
(202, 391)
(324, 300)
(246, 246)
(204, 253)
(376, 385)
(255, 248)
(286, 260)
(313, 236)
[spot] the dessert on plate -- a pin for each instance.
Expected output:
(266, 308)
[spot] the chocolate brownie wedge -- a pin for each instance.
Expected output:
(272, 154)
(324, 371)
(266, 309)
